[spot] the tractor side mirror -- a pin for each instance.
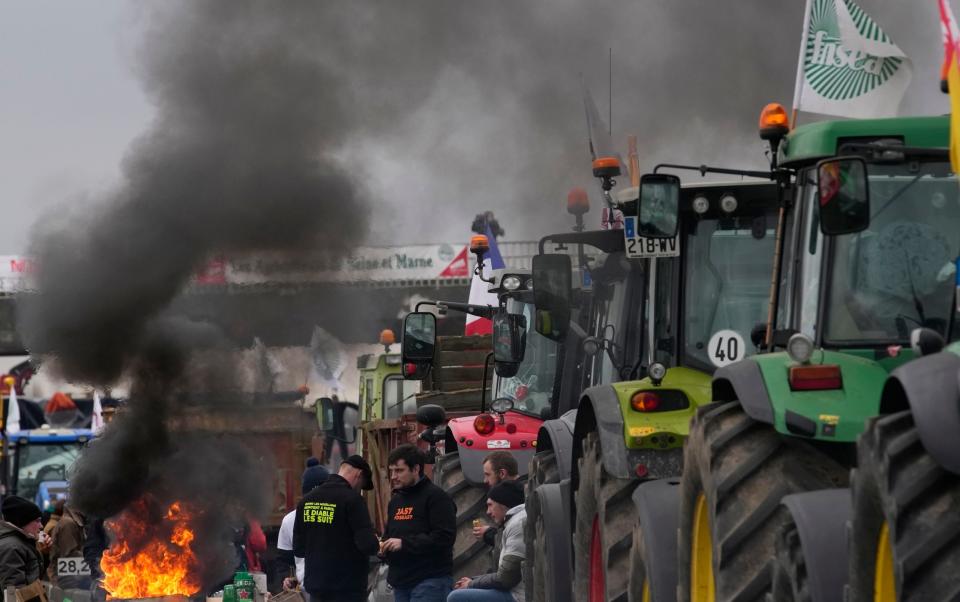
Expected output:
(419, 338)
(552, 294)
(659, 206)
(509, 338)
(926, 341)
(844, 195)
(325, 415)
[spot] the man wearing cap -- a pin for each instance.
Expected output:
(505, 507)
(19, 559)
(332, 532)
(313, 476)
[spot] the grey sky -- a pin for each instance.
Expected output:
(71, 103)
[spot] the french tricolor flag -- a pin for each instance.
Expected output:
(479, 295)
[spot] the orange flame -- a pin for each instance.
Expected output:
(160, 562)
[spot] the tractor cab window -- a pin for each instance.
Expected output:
(728, 263)
(48, 463)
(810, 257)
(399, 396)
(617, 317)
(899, 273)
(532, 388)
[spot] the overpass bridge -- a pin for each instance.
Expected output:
(280, 298)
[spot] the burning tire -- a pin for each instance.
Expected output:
(736, 472)
(543, 470)
(470, 555)
(905, 532)
(603, 528)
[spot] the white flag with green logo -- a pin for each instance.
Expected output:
(848, 66)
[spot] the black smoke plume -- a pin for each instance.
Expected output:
(238, 159)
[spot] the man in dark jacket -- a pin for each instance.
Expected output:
(332, 532)
(19, 559)
(421, 529)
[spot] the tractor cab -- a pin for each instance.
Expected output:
(41, 461)
(873, 240)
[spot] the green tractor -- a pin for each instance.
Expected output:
(866, 255)
(688, 312)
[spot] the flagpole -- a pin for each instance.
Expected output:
(798, 88)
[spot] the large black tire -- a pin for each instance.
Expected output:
(743, 468)
(898, 484)
(470, 555)
(543, 470)
(607, 499)
(790, 583)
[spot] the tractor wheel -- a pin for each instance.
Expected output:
(535, 535)
(905, 531)
(470, 555)
(543, 470)
(789, 569)
(603, 529)
(736, 471)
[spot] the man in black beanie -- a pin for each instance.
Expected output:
(19, 560)
(505, 506)
(314, 476)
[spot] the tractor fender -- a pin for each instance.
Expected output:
(658, 513)
(600, 408)
(557, 435)
(743, 382)
(930, 386)
(821, 518)
(554, 499)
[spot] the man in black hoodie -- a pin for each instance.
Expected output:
(333, 534)
(421, 529)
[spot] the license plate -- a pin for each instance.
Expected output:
(639, 247)
(73, 566)
(498, 444)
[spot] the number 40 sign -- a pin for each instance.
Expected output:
(726, 347)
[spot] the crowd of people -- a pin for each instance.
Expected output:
(333, 533)
(325, 545)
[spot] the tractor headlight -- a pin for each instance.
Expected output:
(511, 283)
(800, 348)
(657, 371)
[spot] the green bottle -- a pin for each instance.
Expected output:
(229, 593)
(245, 586)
